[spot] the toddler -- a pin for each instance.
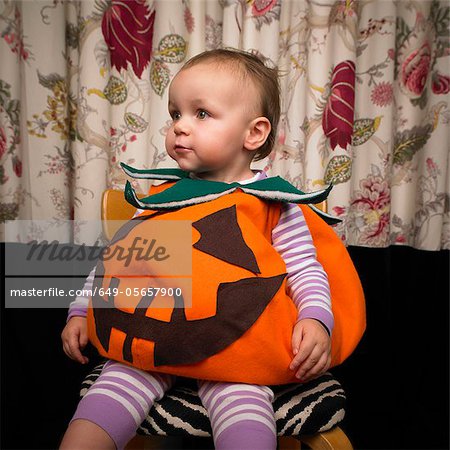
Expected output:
(225, 109)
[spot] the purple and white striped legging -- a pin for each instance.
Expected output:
(241, 415)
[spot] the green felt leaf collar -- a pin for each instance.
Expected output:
(187, 191)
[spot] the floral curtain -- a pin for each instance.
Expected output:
(365, 103)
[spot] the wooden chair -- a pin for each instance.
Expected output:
(306, 414)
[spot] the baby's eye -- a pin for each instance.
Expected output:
(175, 115)
(202, 114)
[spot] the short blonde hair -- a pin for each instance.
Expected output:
(264, 78)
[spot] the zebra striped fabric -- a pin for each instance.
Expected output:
(300, 409)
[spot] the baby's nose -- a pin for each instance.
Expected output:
(181, 126)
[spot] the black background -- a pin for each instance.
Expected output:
(397, 381)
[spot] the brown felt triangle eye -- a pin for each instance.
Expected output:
(222, 238)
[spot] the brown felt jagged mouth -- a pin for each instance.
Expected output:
(182, 341)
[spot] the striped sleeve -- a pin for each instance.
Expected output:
(307, 282)
(79, 306)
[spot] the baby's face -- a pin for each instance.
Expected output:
(211, 112)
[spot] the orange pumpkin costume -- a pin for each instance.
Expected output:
(239, 326)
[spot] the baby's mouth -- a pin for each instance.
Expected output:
(182, 149)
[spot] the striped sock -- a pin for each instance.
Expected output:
(121, 398)
(241, 415)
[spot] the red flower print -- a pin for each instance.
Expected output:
(127, 28)
(2, 142)
(432, 168)
(189, 20)
(261, 7)
(13, 34)
(337, 119)
(373, 203)
(17, 166)
(382, 94)
(9, 38)
(414, 69)
(339, 210)
(441, 83)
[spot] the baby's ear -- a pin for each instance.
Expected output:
(258, 131)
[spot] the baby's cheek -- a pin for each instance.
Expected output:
(169, 139)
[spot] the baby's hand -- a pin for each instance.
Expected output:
(311, 346)
(74, 338)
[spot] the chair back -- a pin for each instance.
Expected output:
(115, 211)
